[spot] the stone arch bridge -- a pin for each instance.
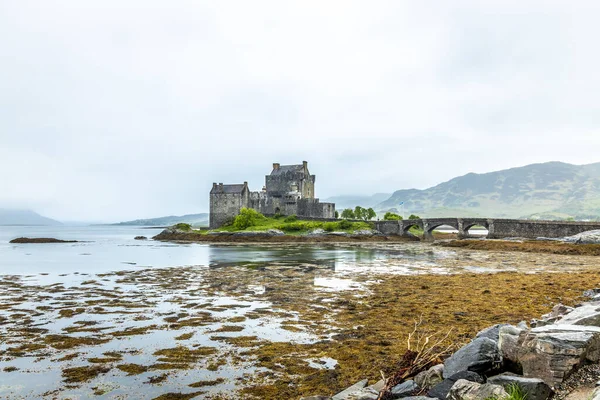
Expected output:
(497, 228)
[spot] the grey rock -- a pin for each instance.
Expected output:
(589, 237)
(441, 389)
(595, 394)
(591, 293)
(270, 232)
(491, 333)
(343, 395)
(509, 343)
(316, 398)
(378, 385)
(428, 379)
(316, 232)
(339, 234)
(553, 352)
(140, 238)
(522, 325)
(363, 394)
(404, 389)
(481, 356)
(466, 390)
(419, 398)
(557, 311)
(587, 314)
(536, 389)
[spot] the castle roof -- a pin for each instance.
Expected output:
(234, 188)
(287, 168)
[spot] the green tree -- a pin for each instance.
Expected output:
(360, 213)
(348, 214)
(390, 216)
(413, 216)
(247, 218)
(337, 214)
(370, 213)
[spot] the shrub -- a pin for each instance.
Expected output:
(291, 218)
(330, 226)
(293, 227)
(344, 224)
(183, 226)
(390, 216)
(413, 216)
(247, 218)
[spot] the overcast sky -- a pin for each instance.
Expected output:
(114, 110)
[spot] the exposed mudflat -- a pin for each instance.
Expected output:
(266, 329)
(531, 246)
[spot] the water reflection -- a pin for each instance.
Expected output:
(333, 257)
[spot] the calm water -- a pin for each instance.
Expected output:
(113, 248)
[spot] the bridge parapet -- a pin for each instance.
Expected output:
(497, 228)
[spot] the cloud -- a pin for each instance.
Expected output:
(124, 109)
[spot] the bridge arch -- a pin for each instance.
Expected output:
(430, 224)
(409, 223)
(467, 223)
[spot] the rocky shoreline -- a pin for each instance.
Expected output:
(551, 357)
(277, 236)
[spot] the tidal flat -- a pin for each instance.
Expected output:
(299, 321)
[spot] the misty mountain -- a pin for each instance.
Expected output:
(351, 201)
(192, 219)
(24, 217)
(551, 190)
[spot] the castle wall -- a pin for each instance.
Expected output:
(314, 208)
(225, 206)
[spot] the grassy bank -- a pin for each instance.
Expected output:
(290, 225)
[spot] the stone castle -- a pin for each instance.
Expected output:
(288, 190)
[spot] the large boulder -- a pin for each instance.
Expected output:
(534, 388)
(493, 332)
(441, 389)
(587, 314)
(428, 379)
(553, 352)
(466, 390)
(510, 339)
(481, 356)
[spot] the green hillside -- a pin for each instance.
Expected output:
(551, 190)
